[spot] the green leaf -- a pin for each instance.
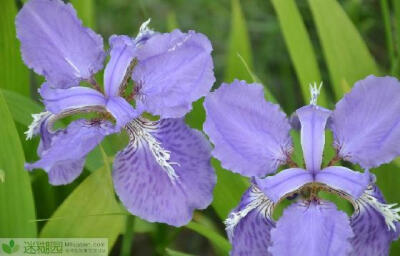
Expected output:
(12, 243)
(171, 252)
(346, 54)
(21, 107)
(85, 11)
(239, 43)
(228, 191)
(14, 75)
(215, 238)
(16, 197)
(91, 210)
(299, 46)
(6, 248)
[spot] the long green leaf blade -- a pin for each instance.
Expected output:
(17, 206)
(90, 211)
(299, 46)
(215, 238)
(239, 43)
(346, 54)
(14, 75)
(21, 107)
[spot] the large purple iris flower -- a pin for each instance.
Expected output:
(164, 173)
(251, 137)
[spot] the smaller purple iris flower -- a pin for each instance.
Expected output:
(251, 137)
(164, 173)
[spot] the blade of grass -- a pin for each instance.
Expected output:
(15, 189)
(299, 46)
(14, 75)
(347, 57)
(170, 252)
(396, 7)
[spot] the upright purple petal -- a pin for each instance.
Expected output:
(366, 122)
(62, 153)
(120, 65)
(165, 173)
(174, 69)
(372, 234)
(284, 183)
(250, 135)
(55, 44)
(344, 179)
(249, 224)
(312, 229)
(121, 110)
(313, 121)
(60, 100)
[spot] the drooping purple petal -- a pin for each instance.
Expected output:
(55, 44)
(62, 153)
(249, 224)
(115, 73)
(313, 121)
(344, 179)
(174, 69)
(122, 111)
(60, 100)
(312, 229)
(284, 183)
(372, 235)
(165, 172)
(366, 122)
(250, 135)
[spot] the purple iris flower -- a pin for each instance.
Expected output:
(251, 137)
(164, 173)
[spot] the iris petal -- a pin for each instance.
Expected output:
(366, 122)
(55, 44)
(312, 229)
(313, 121)
(284, 183)
(249, 224)
(163, 178)
(174, 69)
(62, 153)
(118, 68)
(373, 233)
(250, 135)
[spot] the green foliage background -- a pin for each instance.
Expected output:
(283, 44)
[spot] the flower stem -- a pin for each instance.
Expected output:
(128, 236)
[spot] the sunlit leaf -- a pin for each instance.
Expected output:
(21, 107)
(299, 46)
(85, 10)
(347, 57)
(17, 206)
(90, 211)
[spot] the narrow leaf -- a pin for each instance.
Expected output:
(85, 10)
(17, 206)
(299, 46)
(171, 252)
(346, 54)
(91, 210)
(239, 43)
(14, 75)
(215, 238)
(21, 107)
